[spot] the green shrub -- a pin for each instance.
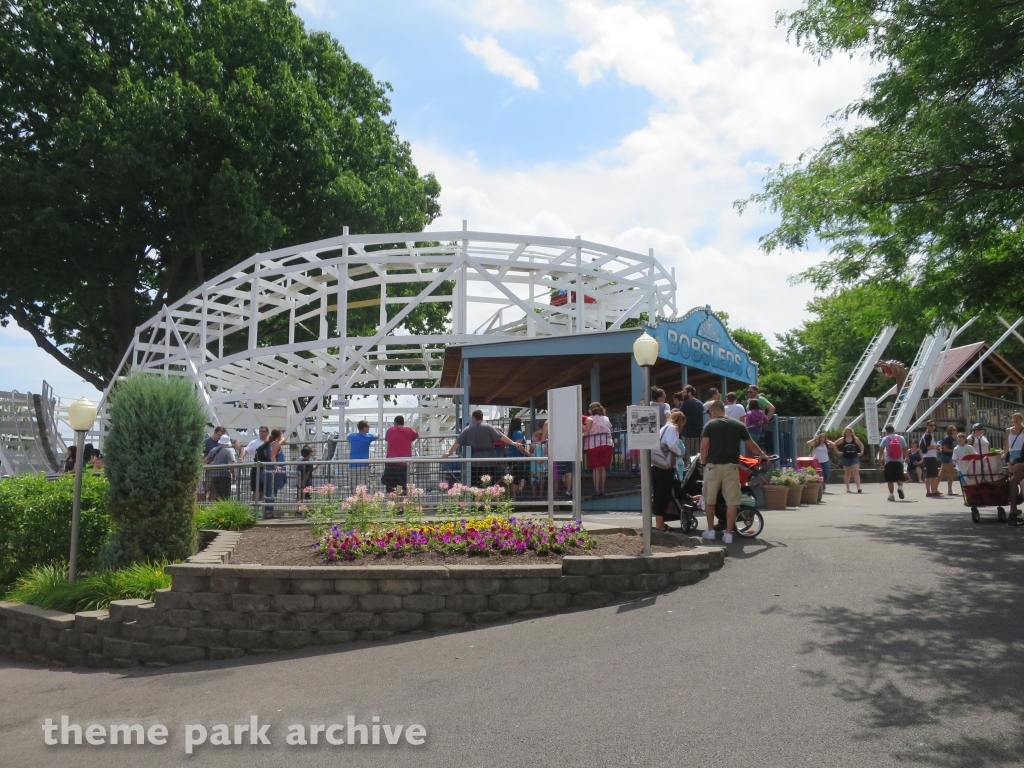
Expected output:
(224, 515)
(153, 460)
(35, 521)
(47, 586)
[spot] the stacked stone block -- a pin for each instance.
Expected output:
(224, 611)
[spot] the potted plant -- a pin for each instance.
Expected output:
(812, 486)
(796, 487)
(776, 493)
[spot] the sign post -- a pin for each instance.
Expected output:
(565, 441)
(643, 435)
(871, 420)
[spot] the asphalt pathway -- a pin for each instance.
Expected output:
(856, 633)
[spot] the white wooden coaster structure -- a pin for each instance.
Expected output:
(266, 342)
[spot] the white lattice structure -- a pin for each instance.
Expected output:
(266, 343)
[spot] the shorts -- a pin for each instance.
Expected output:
(395, 475)
(893, 471)
(945, 458)
(851, 461)
(931, 466)
(221, 486)
(724, 478)
(564, 467)
(600, 457)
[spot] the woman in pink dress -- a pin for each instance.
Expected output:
(597, 442)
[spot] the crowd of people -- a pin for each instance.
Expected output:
(929, 460)
(490, 447)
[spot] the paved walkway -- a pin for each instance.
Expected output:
(858, 633)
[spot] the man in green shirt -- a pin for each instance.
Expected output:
(720, 456)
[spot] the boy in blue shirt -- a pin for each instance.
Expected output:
(359, 450)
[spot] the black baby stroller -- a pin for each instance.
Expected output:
(749, 522)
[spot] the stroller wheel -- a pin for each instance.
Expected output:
(975, 515)
(749, 523)
(684, 516)
(1002, 514)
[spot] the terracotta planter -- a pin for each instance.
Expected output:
(775, 496)
(795, 494)
(811, 493)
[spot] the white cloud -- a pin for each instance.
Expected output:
(643, 50)
(507, 14)
(317, 8)
(734, 97)
(501, 62)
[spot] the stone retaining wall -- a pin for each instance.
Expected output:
(225, 611)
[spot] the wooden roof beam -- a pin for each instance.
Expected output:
(520, 372)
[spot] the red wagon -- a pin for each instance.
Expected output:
(984, 484)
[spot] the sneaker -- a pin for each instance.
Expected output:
(727, 538)
(709, 534)
(858, 490)
(900, 492)
(893, 498)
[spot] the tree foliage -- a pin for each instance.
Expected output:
(792, 395)
(147, 145)
(154, 454)
(921, 182)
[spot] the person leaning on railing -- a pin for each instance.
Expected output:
(480, 438)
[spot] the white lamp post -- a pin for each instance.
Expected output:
(81, 416)
(645, 352)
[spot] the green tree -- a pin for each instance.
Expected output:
(154, 454)
(147, 145)
(791, 395)
(924, 187)
(757, 345)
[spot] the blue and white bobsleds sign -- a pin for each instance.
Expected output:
(700, 340)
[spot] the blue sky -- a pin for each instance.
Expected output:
(630, 123)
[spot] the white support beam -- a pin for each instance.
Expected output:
(973, 367)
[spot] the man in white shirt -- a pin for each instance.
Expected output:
(733, 409)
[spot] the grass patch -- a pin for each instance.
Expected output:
(47, 586)
(224, 515)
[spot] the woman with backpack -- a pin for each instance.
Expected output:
(850, 450)
(271, 455)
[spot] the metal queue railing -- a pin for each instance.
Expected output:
(287, 487)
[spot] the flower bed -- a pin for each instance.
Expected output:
(365, 510)
(476, 536)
